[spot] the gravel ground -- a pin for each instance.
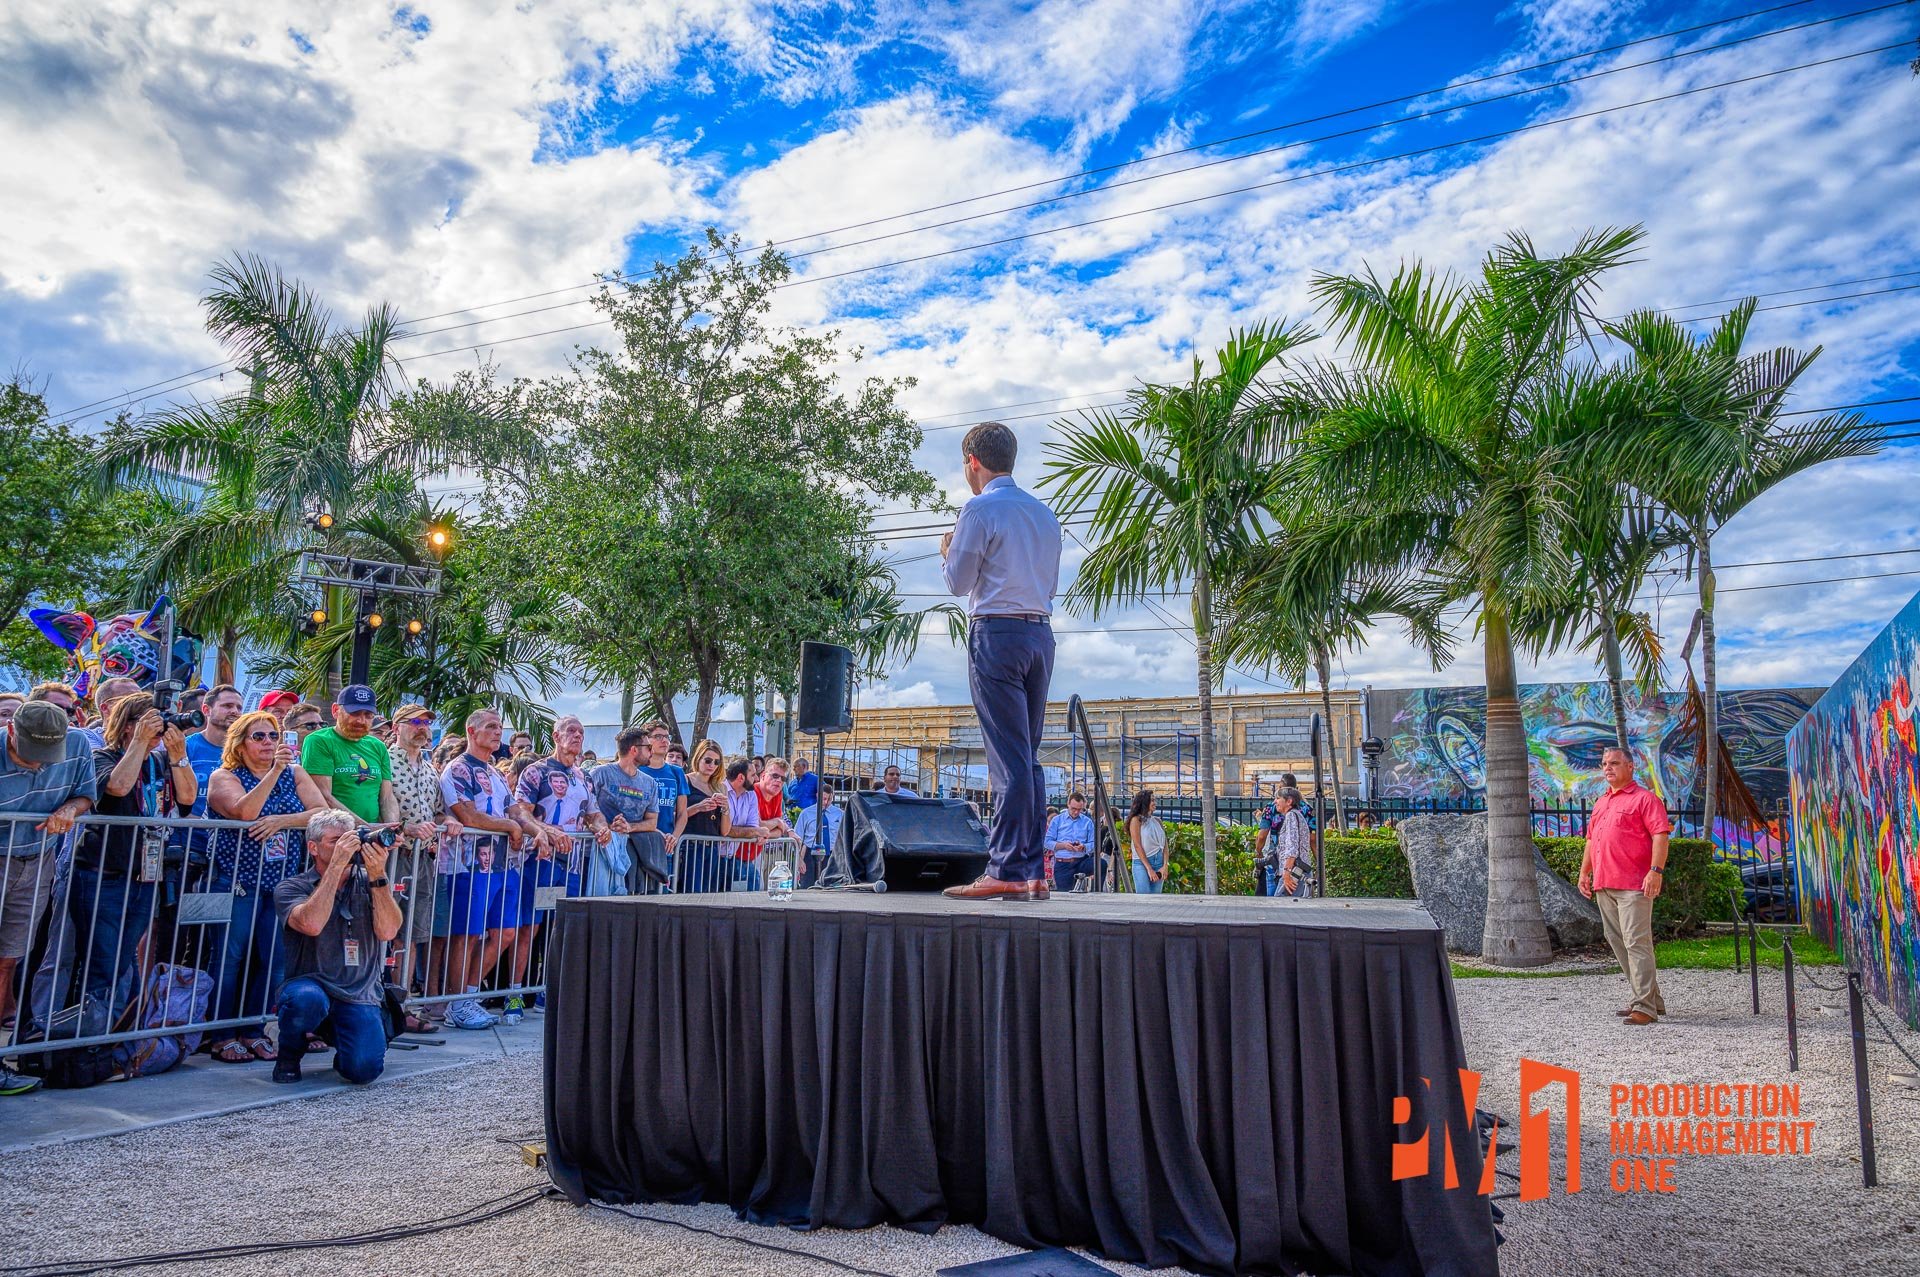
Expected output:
(416, 1149)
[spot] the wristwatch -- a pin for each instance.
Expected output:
(1659, 869)
(376, 882)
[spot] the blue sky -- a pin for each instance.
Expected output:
(445, 157)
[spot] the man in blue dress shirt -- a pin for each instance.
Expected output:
(1070, 839)
(1004, 556)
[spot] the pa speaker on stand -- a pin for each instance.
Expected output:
(825, 709)
(826, 690)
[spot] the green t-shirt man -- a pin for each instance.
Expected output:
(357, 768)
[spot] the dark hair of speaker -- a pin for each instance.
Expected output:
(992, 445)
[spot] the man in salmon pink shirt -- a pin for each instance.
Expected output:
(1622, 871)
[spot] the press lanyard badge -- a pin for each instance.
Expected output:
(350, 950)
(153, 855)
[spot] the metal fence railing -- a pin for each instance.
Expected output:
(130, 933)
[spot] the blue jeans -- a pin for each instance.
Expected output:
(109, 915)
(1145, 885)
(358, 1029)
(1009, 664)
(254, 963)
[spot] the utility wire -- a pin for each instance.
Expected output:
(1348, 167)
(1370, 127)
(70, 414)
(1267, 131)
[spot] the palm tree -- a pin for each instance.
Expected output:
(322, 424)
(1716, 443)
(1176, 485)
(1446, 451)
(1613, 538)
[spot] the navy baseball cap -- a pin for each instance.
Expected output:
(355, 697)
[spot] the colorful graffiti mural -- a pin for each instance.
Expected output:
(1435, 740)
(1855, 772)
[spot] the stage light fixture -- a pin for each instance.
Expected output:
(374, 620)
(321, 520)
(416, 627)
(317, 617)
(439, 539)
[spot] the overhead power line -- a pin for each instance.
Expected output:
(1371, 126)
(1453, 86)
(1268, 130)
(1350, 166)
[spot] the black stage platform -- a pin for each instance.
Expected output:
(846, 1059)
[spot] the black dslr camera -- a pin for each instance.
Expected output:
(163, 700)
(378, 837)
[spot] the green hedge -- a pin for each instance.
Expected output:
(1699, 887)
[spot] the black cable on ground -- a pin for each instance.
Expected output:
(492, 1208)
(632, 1213)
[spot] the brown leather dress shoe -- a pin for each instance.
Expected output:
(1638, 1017)
(1624, 1011)
(987, 887)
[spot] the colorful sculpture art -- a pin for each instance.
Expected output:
(126, 646)
(1855, 771)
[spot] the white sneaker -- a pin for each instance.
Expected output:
(470, 1015)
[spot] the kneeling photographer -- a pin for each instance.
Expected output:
(337, 918)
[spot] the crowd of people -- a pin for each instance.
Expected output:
(358, 853)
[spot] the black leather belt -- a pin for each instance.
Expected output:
(1034, 618)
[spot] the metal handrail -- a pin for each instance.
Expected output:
(1102, 808)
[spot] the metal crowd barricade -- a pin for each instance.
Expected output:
(704, 864)
(148, 928)
(133, 929)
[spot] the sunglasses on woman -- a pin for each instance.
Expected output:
(263, 735)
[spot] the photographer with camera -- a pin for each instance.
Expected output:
(142, 771)
(337, 920)
(260, 782)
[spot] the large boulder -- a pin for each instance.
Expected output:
(1448, 855)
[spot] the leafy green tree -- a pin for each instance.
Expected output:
(1716, 443)
(710, 480)
(61, 545)
(1447, 452)
(1175, 483)
(322, 423)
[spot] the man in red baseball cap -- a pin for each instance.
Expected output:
(278, 702)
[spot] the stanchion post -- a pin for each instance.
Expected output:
(1735, 901)
(1862, 1097)
(1793, 1025)
(1753, 961)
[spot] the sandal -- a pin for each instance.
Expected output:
(261, 1049)
(418, 1024)
(316, 1044)
(233, 1052)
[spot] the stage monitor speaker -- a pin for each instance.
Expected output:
(826, 690)
(916, 844)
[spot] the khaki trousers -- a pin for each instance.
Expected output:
(1628, 919)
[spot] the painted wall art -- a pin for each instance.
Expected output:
(1855, 772)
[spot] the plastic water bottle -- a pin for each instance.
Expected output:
(780, 880)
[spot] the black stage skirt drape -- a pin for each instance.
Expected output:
(846, 1059)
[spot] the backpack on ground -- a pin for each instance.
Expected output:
(74, 1067)
(175, 995)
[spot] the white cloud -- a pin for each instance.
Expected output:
(470, 165)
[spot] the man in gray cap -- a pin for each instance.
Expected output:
(46, 770)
